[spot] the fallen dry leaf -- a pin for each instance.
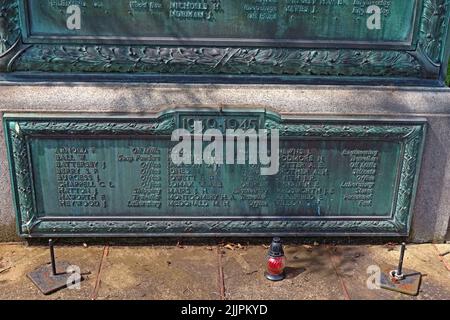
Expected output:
(179, 245)
(390, 246)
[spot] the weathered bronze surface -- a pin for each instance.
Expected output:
(280, 22)
(208, 40)
(114, 177)
(135, 177)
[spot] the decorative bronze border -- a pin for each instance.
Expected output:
(425, 62)
(410, 133)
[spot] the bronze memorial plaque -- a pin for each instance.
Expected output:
(117, 176)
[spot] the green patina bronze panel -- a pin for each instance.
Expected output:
(291, 22)
(115, 177)
(135, 177)
(393, 41)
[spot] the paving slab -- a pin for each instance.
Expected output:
(308, 268)
(444, 254)
(16, 261)
(160, 273)
(193, 272)
(354, 263)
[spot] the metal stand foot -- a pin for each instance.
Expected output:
(51, 277)
(401, 280)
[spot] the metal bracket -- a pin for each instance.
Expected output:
(401, 280)
(52, 277)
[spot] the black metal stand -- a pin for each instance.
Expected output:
(51, 277)
(400, 280)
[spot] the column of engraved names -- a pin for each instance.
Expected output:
(194, 9)
(78, 178)
(181, 190)
(301, 8)
(261, 10)
(62, 4)
(196, 186)
(364, 166)
(252, 189)
(360, 7)
(301, 173)
(148, 193)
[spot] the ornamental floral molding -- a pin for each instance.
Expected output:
(237, 61)
(433, 29)
(9, 25)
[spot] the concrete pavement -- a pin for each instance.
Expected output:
(230, 271)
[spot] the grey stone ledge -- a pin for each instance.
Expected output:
(151, 98)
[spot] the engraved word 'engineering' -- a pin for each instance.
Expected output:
(235, 153)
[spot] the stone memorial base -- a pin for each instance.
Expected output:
(431, 212)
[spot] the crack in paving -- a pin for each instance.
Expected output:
(341, 279)
(220, 275)
(94, 294)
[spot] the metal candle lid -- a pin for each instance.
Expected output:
(276, 248)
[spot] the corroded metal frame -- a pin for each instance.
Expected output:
(410, 133)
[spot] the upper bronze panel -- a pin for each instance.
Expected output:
(259, 22)
(401, 41)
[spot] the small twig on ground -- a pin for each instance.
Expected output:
(441, 258)
(6, 269)
(444, 254)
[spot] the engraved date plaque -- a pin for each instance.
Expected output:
(115, 177)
